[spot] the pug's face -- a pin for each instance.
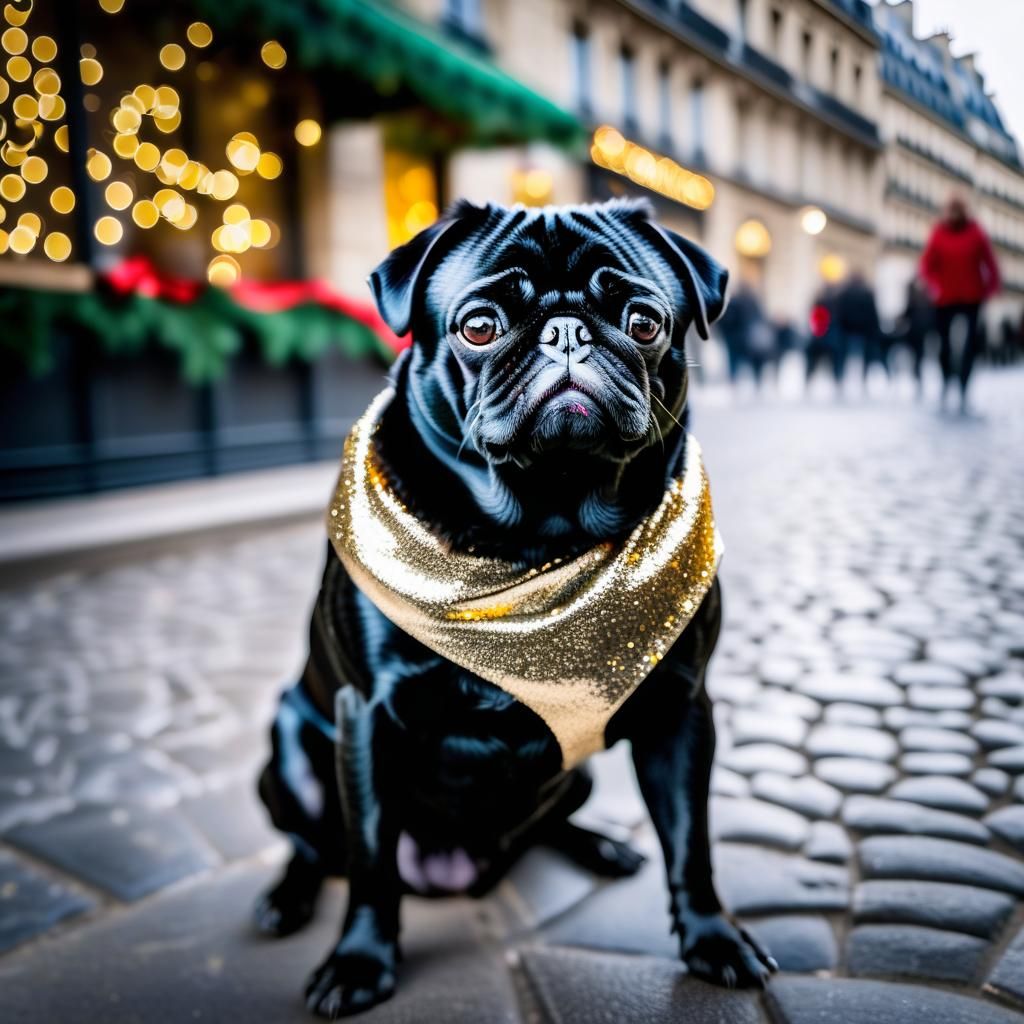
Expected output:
(551, 333)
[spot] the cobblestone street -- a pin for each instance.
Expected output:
(869, 786)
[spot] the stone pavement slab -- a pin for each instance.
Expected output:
(940, 860)
(574, 987)
(128, 852)
(1007, 976)
(188, 955)
(844, 1001)
(232, 821)
(959, 908)
(910, 950)
(31, 904)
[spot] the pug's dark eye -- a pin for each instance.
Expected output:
(480, 328)
(643, 327)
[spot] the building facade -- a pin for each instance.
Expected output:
(829, 134)
(769, 109)
(943, 135)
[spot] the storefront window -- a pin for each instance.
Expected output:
(186, 149)
(410, 194)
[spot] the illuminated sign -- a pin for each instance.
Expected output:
(613, 152)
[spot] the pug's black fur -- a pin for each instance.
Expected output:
(540, 409)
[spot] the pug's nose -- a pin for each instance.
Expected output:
(566, 339)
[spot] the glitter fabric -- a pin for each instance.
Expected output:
(570, 639)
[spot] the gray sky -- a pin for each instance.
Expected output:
(993, 29)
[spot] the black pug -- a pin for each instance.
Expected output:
(522, 532)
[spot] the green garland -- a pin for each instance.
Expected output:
(206, 333)
(390, 49)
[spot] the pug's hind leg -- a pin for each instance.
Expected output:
(672, 751)
(291, 903)
(359, 972)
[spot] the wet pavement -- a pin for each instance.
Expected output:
(869, 787)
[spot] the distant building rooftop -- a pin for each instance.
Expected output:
(950, 87)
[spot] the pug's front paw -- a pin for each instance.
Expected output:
(350, 982)
(721, 952)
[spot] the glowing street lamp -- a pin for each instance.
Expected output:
(753, 239)
(813, 220)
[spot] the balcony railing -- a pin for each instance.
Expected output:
(763, 65)
(933, 158)
(707, 30)
(909, 195)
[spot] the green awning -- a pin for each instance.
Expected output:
(394, 52)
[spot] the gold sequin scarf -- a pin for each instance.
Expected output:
(571, 639)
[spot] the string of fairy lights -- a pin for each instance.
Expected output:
(33, 120)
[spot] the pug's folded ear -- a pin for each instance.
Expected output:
(704, 279)
(398, 282)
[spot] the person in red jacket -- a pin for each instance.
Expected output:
(960, 272)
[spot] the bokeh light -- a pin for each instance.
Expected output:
(832, 268)
(98, 165)
(108, 230)
(44, 49)
(145, 213)
(753, 239)
(18, 70)
(12, 187)
(307, 132)
(813, 220)
(91, 71)
(199, 34)
(118, 195)
(147, 156)
(269, 166)
(62, 199)
(14, 40)
(22, 240)
(223, 271)
(273, 54)
(34, 170)
(14, 16)
(172, 57)
(57, 246)
(32, 221)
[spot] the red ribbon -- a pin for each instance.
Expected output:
(138, 275)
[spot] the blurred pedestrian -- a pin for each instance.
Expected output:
(749, 338)
(827, 342)
(914, 325)
(857, 320)
(960, 270)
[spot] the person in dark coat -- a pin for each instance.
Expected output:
(745, 330)
(915, 322)
(826, 342)
(960, 270)
(857, 319)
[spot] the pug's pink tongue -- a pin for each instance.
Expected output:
(447, 870)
